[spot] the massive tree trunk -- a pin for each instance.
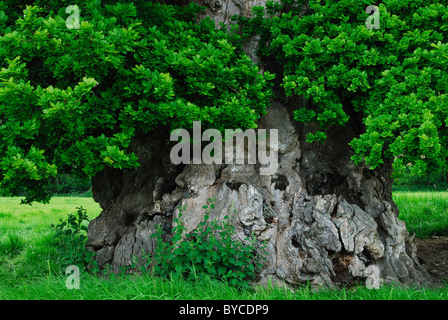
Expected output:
(325, 219)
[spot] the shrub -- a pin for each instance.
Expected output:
(70, 240)
(208, 250)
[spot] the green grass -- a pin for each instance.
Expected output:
(26, 246)
(425, 213)
(28, 268)
(145, 287)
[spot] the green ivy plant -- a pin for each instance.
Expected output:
(209, 249)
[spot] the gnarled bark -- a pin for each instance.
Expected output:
(324, 219)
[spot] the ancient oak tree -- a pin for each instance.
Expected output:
(350, 103)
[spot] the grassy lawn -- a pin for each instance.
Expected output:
(425, 213)
(28, 267)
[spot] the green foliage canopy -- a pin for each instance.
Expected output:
(395, 77)
(71, 100)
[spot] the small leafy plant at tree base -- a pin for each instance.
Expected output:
(70, 239)
(210, 249)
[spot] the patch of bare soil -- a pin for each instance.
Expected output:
(433, 255)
